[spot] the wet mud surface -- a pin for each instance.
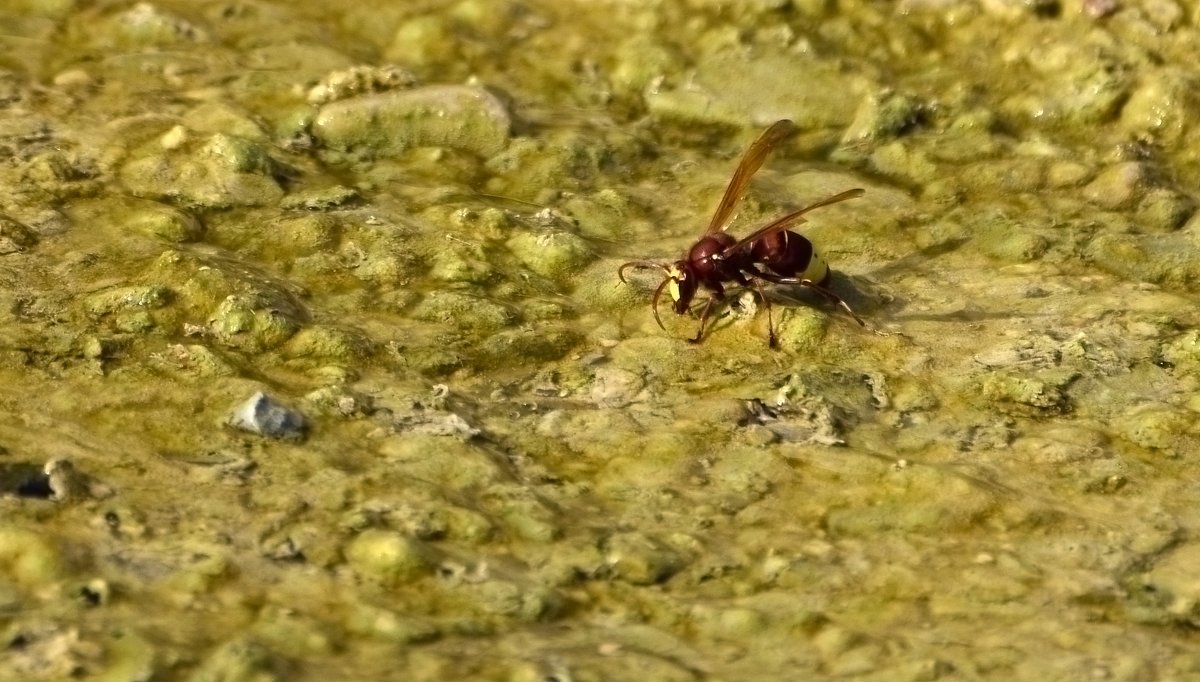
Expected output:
(315, 363)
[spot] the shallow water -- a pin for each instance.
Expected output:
(404, 222)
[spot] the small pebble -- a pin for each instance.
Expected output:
(261, 414)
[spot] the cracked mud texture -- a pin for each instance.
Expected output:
(400, 223)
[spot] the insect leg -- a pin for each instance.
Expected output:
(654, 302)
(703, 319)
(829, 295)
(771, 341)
(717, 295)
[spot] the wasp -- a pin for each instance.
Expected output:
(772, 253)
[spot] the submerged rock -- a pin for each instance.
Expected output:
(556, 255)
(1159, 106)
(465, 311)
(58, 480)
(29, 558)
(243, 322)
(615, 387)
(14, 236)
(195, 360)
(1175, 581)
(1160, 427)
(360, 80)
(523, 603)
(735, 87)
(1117, 186)
(322, 199)
(457, 116)
(388, 557)
(241, 658)
(330, 344)
(1171, 259)
(640, 559)
(807, 420)
(885, 115)
(240, 306)
(145, 25)
(642, 60)
(1089, 84)
(163, 222)
(68, 484)
(216, 171)
(1043, 393)
(1183, 352)
(528, 344)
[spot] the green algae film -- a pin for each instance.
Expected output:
(405, 221)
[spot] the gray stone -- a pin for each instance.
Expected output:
(262, 415)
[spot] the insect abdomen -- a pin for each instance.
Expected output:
(791, 255)
(817, 270)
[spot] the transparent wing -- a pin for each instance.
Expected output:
(750, 163)
(789, 220)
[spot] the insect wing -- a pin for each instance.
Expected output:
(747, 167)
(789, 220)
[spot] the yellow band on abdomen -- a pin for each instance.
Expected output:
(816, 270)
